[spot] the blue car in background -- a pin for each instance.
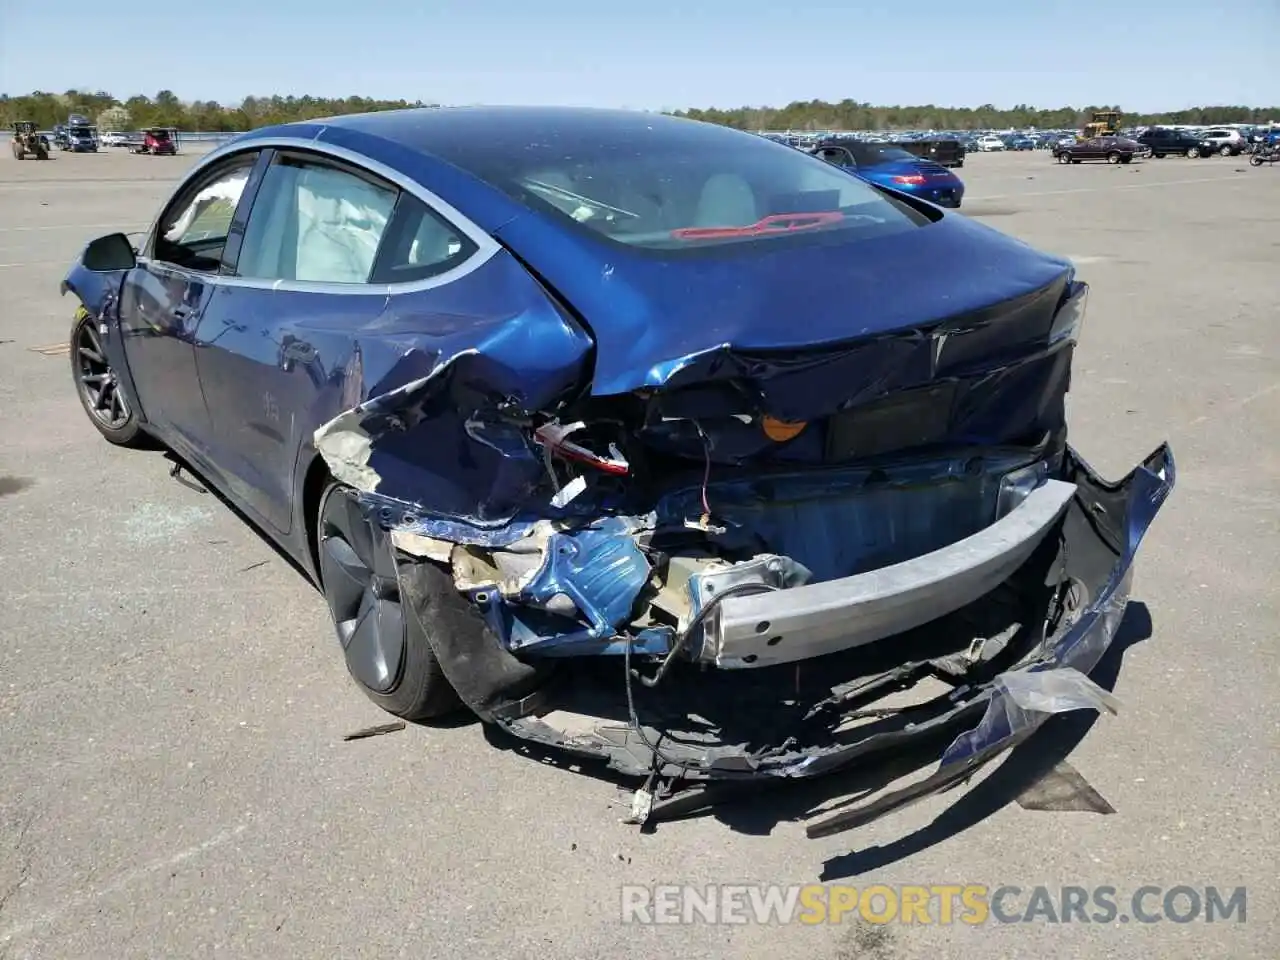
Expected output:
(893, 167)
(659, 426)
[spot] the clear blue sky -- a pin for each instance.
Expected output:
(1142, 54)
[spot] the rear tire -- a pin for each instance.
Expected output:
(1255, 160)
(1193, 153)
(386, 648)
(1224, 151)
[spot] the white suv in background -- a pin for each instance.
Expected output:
(1228, 142)
(113, 139)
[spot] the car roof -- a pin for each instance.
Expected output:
(431, 129)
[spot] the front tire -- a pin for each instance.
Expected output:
(386, 648)
(1193, 153)
(98, 386)
(1064, 158)
(1224, 152)
(1255, 160)
(1113, 158)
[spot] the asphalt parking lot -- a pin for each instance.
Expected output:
(173, 776)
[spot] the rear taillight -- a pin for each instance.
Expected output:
(909, 178)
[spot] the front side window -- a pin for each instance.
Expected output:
(676, 186)
(314, 222)
(193, 231)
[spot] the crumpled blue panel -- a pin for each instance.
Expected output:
(600, 568)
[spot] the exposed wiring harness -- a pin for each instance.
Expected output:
(660, 758)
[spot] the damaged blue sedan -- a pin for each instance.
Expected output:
(648, 441)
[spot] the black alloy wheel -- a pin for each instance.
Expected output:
(386, 650)
(98, 385)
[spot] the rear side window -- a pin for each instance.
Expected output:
(315, 222)
(419, 244)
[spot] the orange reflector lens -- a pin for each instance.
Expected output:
(780, 431)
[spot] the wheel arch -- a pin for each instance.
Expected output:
(315, 480)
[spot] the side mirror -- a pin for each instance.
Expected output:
(112, 252)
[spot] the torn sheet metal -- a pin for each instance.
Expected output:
(346, 444)
(1099, 537)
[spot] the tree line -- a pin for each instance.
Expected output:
(165, 109)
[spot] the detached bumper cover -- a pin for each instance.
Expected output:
(1090, 546)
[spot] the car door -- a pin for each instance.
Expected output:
(309, 274)
(163, 300)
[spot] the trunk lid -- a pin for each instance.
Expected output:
(864, 316)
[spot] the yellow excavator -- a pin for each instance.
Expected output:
(1104, 124)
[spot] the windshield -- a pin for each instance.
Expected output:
(679, 185)
(82, 131)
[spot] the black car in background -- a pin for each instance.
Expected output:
(1110, 149)
(1165, 142)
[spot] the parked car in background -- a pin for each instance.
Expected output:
(157, 141)
(1110, 149)
(896, 168)
(989, 143)
(1019, 142)
(77, 135)
(1226, 141)
(525, 387)
(1165, 141)
(114, 138)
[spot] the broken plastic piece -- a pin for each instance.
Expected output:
(641, 807)
(1022, 699)
(570, 490)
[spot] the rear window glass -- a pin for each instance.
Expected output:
(677, 186)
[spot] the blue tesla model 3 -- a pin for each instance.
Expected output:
(556, 405)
